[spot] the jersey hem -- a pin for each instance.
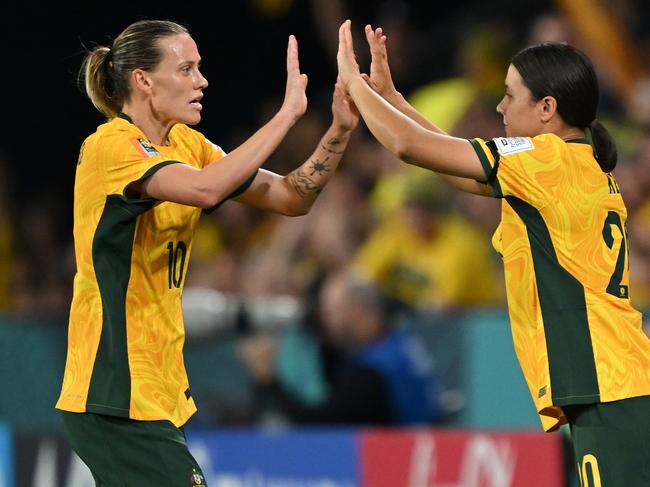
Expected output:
(107, 410)
(574, 400)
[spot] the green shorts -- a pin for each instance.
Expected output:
(611, 442)
(124, 452)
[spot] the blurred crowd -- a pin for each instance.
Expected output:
(391, 236)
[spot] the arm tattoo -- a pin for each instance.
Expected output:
(303, 184)
(319, 166)
(333, 141)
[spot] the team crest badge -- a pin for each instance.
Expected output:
(197, 478)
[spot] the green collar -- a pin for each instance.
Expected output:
(582, 140)
(125, 117)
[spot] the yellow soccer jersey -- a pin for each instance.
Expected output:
(564, 247)
(126, 334)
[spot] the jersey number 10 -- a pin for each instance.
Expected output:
(176, 263)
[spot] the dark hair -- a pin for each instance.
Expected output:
(106, 71)
(565, 73)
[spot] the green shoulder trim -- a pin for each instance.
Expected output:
(490, 172)
(150, 172)
(244, 186)
(564, 312)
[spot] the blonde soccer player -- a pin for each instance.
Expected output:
(141, 183)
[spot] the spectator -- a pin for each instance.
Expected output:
(426, 255)
(383, 374)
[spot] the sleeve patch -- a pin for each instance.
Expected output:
(146, 148)
(512, 145)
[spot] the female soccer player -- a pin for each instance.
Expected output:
(562, 238)
(141, 182)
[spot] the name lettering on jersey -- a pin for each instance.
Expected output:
(613, 185)
(147, 148)
(512, 145)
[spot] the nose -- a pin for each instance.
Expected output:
(202, 81)
(500, 106)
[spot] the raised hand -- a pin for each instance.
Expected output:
(295, 98)
(345, 58)
(344, 111)
(380, 78)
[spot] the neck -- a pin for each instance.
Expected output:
(563, 131)
(155, 129)
(571, 133)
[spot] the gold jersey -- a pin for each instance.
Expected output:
(126, 333)
(565, 254)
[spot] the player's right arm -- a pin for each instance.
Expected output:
(381, 81)
(207, 187)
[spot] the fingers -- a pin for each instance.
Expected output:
(342, 45)
(370, 36)
(345, 38)
(347, 30)
(376, 40)
(345, 54)
(293, 65)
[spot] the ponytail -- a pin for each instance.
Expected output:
(604, 146)
(98, 83)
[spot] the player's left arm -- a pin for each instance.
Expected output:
(295, 193)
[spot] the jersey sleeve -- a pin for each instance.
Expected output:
(521, 167)
(126, 160)
(211, 154)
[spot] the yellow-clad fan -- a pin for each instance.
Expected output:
(562, 239)
(427, 255)
(142, 179)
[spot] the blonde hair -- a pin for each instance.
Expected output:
(105, 71)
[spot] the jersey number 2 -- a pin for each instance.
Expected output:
(176, 263)
(615, 288)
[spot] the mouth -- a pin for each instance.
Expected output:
(196, 102)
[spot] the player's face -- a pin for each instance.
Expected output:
(177, 83)
(519, 110)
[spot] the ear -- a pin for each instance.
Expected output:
(141, 81)
(548, 108)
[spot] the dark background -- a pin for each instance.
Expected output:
(46, 116)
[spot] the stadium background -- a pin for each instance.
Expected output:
(441, 53)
